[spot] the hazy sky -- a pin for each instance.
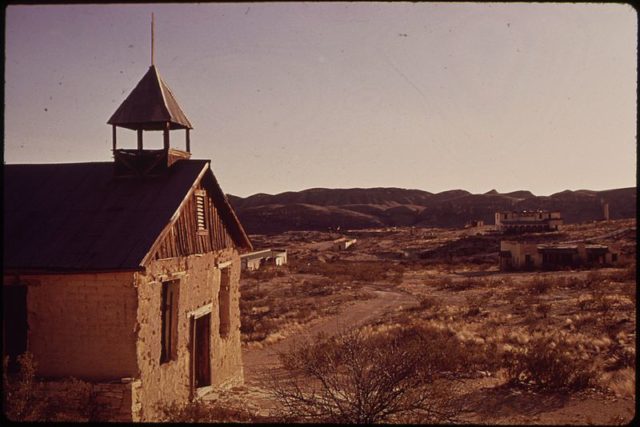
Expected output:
(288, 96)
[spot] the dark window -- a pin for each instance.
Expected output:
(169, 315)
(224, 301)
(614, 257)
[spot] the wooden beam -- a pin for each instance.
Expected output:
(166, 136)
(139, 139)
(188, 142)
(113, 136)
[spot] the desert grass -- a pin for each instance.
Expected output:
(274, 308)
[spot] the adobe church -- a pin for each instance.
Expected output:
(126, 273)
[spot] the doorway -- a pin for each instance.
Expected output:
(201, 350)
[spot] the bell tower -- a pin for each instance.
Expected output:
(151, 106)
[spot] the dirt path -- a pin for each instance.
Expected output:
(259, 363)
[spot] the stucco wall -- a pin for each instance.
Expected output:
(82, 325)
(199, 285)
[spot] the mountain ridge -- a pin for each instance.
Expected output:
(352, 208)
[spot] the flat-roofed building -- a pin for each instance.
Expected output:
(531, 256)
(527, 221)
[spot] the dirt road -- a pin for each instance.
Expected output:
(259, 363)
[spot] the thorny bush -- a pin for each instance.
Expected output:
(355, 377)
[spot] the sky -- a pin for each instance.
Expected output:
(290, 96)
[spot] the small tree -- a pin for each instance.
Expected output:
(354, 378)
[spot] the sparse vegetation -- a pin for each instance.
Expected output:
(547, 332)
(267, 311)
(26, 399)
(540, 286)
(549, 362)
(198, 411)
(365, 378)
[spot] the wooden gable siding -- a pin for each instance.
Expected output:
(183, 238)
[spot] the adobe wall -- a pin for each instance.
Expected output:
(82, 325)
(199, 286)
(519, 251)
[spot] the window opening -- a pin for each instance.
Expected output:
(224, 301)
(169, 314)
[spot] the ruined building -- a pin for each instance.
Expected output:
(527, 221)
(255, 260)
(533, 256)
(126, 273)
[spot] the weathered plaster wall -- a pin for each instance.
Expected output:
(199, 285)
(82, 325)
(518, 254)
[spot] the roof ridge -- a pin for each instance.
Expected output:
(162, 85)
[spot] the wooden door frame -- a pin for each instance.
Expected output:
(193, 316)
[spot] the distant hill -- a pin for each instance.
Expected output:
(324, 208)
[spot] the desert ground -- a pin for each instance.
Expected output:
(448, 280)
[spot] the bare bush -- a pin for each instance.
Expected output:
(353, 378)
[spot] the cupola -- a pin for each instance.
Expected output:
(150, 107)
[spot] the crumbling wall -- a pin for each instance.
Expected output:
(82, 325)
(199, 283)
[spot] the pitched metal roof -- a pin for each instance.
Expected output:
(78, 217)
(150, 105)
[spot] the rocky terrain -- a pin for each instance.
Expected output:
(356, 208)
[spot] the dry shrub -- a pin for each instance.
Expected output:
(629, 273)
(358, 378)
(540, 285)
(543, 309)
(265, 273)
(573, 282)
(429, 302)
(594, 278)
(475, 304)
(198, 411)
(548, 362)
(461, 285)
(25, 397)
(342, 271)
(524, 303)
(620, 357)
